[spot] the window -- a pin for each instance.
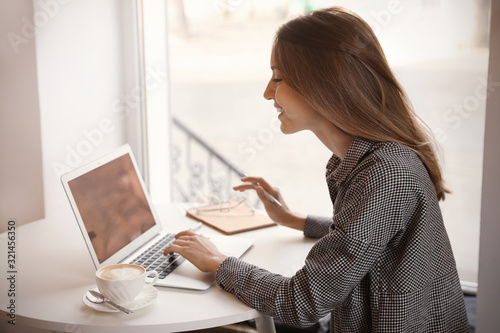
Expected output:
(219, 61)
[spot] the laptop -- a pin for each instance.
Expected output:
(118, 223)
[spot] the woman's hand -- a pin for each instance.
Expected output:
(281, 215)
(197, 249)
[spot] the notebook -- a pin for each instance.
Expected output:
(233, 221)
(118, 222)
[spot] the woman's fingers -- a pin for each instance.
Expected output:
(243, 187)
(197, 249)
(258, 181)
(252, 183)
(185, 233)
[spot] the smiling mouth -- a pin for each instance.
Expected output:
(279, 110)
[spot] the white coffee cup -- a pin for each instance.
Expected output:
(122, 283)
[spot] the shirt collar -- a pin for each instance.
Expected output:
(338, 170)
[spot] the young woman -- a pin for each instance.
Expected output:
(383, 262)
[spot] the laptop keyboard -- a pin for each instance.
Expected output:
(153, 258)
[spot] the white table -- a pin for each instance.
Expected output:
(54, 270)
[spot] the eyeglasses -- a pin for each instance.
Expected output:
(238, 206)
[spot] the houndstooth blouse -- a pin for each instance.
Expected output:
(382, 264)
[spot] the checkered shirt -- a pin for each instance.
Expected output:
(383, 263)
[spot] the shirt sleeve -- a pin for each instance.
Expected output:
(371, 213)
(317, 226)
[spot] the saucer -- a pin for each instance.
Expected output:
(147, 296)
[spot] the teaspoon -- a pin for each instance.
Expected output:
(98, 298)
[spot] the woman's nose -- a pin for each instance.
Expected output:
(269, 91)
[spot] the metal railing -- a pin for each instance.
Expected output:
(198, 170)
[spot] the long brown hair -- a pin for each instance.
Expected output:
(334, 60)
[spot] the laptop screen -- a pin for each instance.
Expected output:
(112, 205)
